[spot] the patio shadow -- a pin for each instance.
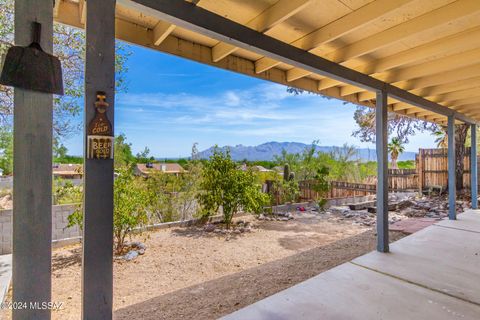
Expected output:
(218, 297)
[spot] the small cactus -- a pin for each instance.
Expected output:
(291, 176)
(286, 172)
(287, 175)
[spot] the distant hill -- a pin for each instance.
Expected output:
(267, 151)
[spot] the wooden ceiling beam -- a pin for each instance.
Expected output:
(82, 8)
(466, 107)
(435, 93)
(445, 64)
(455, 76)
(274, 15)
(444, 15)
(161, 31)
(447, 87)
(134, 33)
(337, 28)
(56, 7)
(222, 29)
(460, 102)
(457, 95)
(458, 10)
(438, 66)
(468, 39)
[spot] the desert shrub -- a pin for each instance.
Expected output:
(130, 200)
(170, 197)
(224, 186)
(322, 185)
(406, 164)
(65, 192)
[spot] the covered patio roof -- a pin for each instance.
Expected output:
(419, 58)
(428, 48)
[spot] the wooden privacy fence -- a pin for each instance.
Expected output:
(338, 189)
(431, 170)
(399, 179)
(432, 167)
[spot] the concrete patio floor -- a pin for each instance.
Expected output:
(431, 274)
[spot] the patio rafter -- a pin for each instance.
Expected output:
(434, 19)
(272, 16)
(336, 29)
(441, 47)
(209, 24)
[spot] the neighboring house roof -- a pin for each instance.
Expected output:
(172, 168)
(67, 169)
(261, 169)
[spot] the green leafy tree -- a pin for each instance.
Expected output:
(59, 149)
(395, 148)
(65, 192)
(441, 137)
(69, 46)
(404, 127)
(292, 159)
(343, 163)
(123, 155)
(401, 126)
(130, 200)
(225, 187)
(144, 156)
(322, 185)
(130, 203)
(6, 151)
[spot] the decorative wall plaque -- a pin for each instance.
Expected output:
(100, 135)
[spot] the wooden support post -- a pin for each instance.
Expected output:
(382, 171)
(32, 172)
(97, 279)
(473, 166)
(452, 194)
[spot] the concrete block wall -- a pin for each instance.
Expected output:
(5, 231)
(59, 226)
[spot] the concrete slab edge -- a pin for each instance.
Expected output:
(413, 283)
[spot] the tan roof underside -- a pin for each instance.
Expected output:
(429, 47)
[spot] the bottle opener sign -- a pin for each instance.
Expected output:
(100, 135)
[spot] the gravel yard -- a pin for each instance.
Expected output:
(190, 272)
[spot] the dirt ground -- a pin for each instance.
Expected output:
(187, 273)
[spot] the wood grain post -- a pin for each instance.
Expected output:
(382, 171)
(97, 278)
(452, 194)
(32, 171)
(473, 166)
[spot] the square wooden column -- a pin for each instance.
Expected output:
(97, 279)
(32, 172)
(381, 131)
(452, 191)
(473, 166)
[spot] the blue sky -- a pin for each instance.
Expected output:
(172, 103)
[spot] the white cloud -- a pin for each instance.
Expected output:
(266, 111)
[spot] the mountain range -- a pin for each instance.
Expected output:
(267, 151)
